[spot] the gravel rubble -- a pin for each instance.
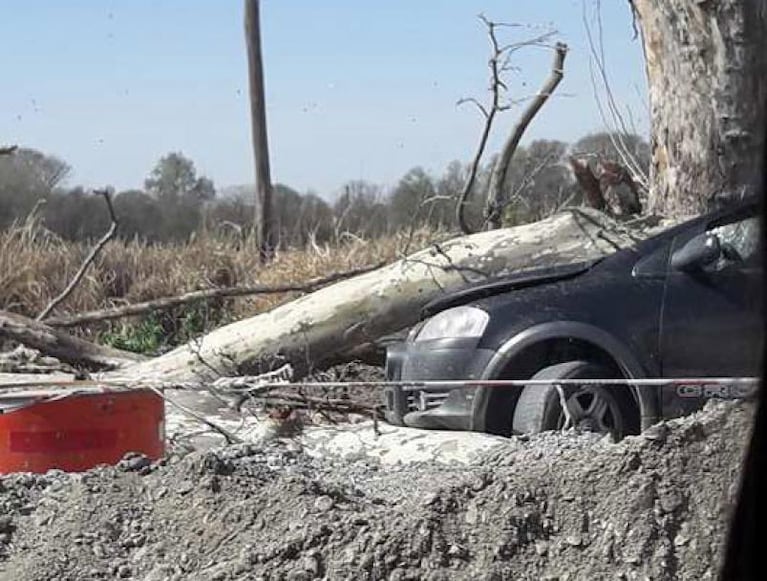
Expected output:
(549, 506)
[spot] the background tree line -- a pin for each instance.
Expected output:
(177, 203)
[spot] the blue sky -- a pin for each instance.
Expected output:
(355, 89)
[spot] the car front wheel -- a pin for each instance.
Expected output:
(591, 408)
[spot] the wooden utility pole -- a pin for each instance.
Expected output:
(263, 214)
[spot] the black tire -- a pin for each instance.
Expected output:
(593, 408)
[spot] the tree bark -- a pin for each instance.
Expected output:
(61, 345)
(706, 69)
(264, 228)
(496, 198)
(337, 318)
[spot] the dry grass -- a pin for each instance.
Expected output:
(35, 265)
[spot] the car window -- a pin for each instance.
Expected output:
(739, 242)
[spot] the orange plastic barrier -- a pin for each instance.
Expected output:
(78, 432)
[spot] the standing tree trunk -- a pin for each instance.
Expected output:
(708, 81)
(263, 215)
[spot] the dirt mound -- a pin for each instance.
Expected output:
(550, 506)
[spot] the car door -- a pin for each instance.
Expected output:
(711, 321)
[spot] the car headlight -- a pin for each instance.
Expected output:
(455, 322)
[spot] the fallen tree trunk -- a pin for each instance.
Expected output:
(335, 319)
(62, 345)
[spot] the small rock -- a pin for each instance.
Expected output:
(472, 515)
(299, 575)
(541, 547)
(184, 488)
(324, 503)
(670, 501)
(124, 571)
(656, 433)
(140, 555)
(213, 484)
(312, 563)
(430, 499)
(457, 551)
(632, 463)
(681, 540)
(574, 540)
(133, 462)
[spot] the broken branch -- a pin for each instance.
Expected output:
(60, 345)
(108, 235)
(496, 88)
(588, 183)
(206, 294)
(495, 198)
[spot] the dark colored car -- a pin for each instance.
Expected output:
(684, 303)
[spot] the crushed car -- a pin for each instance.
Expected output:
(685, 303)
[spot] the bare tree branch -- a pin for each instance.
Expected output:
(495, 196)
(616, 124)
(496, 88)
(61, 345)
(475, 102)
(229, 436)
(170, 302)
(108, 235)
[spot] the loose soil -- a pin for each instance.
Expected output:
(550, 506)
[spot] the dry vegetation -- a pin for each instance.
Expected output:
(36, 264)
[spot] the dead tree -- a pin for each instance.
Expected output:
(499, 64)
(264, 220)
(333, 321)
(496, 196)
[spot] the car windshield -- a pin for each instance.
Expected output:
(378, 290)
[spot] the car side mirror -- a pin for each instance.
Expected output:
(697, 253)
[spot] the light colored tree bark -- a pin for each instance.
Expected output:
(339, 318)
(707, 73)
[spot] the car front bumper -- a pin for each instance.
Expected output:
(433, 407)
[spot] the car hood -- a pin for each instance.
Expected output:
(518, 280)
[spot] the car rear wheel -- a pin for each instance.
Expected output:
(592, 408)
